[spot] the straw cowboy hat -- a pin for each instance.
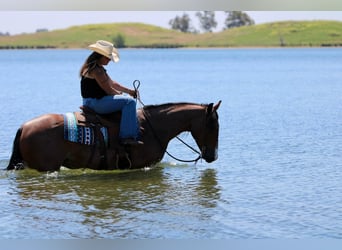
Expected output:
(106, 49)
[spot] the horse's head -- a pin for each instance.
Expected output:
(206, 131)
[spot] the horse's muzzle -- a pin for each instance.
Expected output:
(209, 155)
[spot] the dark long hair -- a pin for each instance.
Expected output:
(90, 62)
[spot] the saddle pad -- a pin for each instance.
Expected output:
(81, 134)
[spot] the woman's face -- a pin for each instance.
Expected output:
(104, 60)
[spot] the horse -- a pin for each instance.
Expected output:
(40, 143)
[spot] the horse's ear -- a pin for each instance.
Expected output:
(217, 105)
(210, 108)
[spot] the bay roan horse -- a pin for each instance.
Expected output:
(40, 143)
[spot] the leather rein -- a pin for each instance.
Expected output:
(136, 85)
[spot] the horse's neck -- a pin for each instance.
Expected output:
(174, 119)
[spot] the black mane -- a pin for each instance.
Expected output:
(166, 105)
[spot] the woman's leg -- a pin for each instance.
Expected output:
(129, 121)
(109, 104)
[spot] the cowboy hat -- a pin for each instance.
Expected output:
(106, 49)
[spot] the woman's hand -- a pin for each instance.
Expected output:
(133, 93)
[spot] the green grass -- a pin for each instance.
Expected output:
(290, 33)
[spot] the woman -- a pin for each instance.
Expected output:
(104, 95)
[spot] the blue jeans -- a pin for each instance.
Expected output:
(129, 126)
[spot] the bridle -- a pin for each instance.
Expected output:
(136, 85)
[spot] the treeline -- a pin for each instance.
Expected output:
(207, 21)
(5, 34)
(27, 47)
(37, 31)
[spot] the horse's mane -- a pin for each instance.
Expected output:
(170, 104)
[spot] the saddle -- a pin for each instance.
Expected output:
(111, 122)
(89, 116)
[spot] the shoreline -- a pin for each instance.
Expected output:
(171, 47)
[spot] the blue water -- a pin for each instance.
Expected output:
(278, 174)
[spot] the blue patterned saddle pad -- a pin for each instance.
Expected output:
(81, 134)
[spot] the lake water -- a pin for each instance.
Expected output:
(279, 169)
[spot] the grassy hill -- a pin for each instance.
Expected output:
(136, 35)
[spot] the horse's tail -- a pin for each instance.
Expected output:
(16, 161)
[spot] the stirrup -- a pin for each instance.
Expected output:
(126, 158)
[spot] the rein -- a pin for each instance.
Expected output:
(136, 85)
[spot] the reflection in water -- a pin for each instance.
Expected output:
(116, 204)
(207, 191)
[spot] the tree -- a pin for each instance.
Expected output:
(237, 19)
(182, 23)
(207, 20)
(119, 41)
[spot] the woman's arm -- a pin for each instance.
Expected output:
(104, 81)
(108, 85)
(121, 88)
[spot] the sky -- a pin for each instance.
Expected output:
(17, 22)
